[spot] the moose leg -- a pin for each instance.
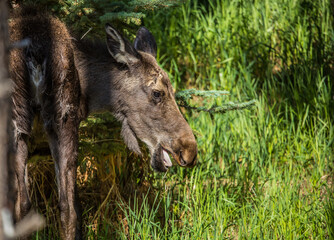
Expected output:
(22, 202)
(64, 148)
(22, 122)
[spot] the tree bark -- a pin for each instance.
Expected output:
(5, 87)
(32, 221)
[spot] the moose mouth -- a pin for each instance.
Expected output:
(166, 159)
(160, 160)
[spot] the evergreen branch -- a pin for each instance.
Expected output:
(188, 93)
(220, 109)
(183, 96)
(121, 15)
(152, 4)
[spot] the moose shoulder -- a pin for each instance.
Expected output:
(64, 80)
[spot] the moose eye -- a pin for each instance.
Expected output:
(157, 96)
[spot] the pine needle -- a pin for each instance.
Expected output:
(183, 96)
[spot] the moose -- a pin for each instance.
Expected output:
(63, 80)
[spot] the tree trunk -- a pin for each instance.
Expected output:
(4, 113)
(32, 221)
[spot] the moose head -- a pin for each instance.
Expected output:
(146, 104)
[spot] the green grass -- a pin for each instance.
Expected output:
(263, 173)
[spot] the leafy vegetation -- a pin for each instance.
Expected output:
(264, 173)
(90, 15)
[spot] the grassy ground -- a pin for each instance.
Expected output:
(263, 173)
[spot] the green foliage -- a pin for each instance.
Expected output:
(188, 93)
(330, 214)
(265, 173)
(84, 15)
(184, 96)
(262, 174)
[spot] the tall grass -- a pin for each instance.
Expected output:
(263, 173)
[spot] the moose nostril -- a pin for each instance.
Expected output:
(182, 161)
(193, 162)
(188, 163)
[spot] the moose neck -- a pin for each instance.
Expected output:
(101, 78)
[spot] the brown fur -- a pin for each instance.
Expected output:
(76, 78)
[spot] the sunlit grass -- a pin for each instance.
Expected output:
(263, 173)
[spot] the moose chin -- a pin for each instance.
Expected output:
(64, 80)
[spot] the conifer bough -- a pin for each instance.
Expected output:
(182, 98)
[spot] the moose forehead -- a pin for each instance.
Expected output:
(156, 77)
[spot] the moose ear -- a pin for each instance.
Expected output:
(120, 48)
(145, 42)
